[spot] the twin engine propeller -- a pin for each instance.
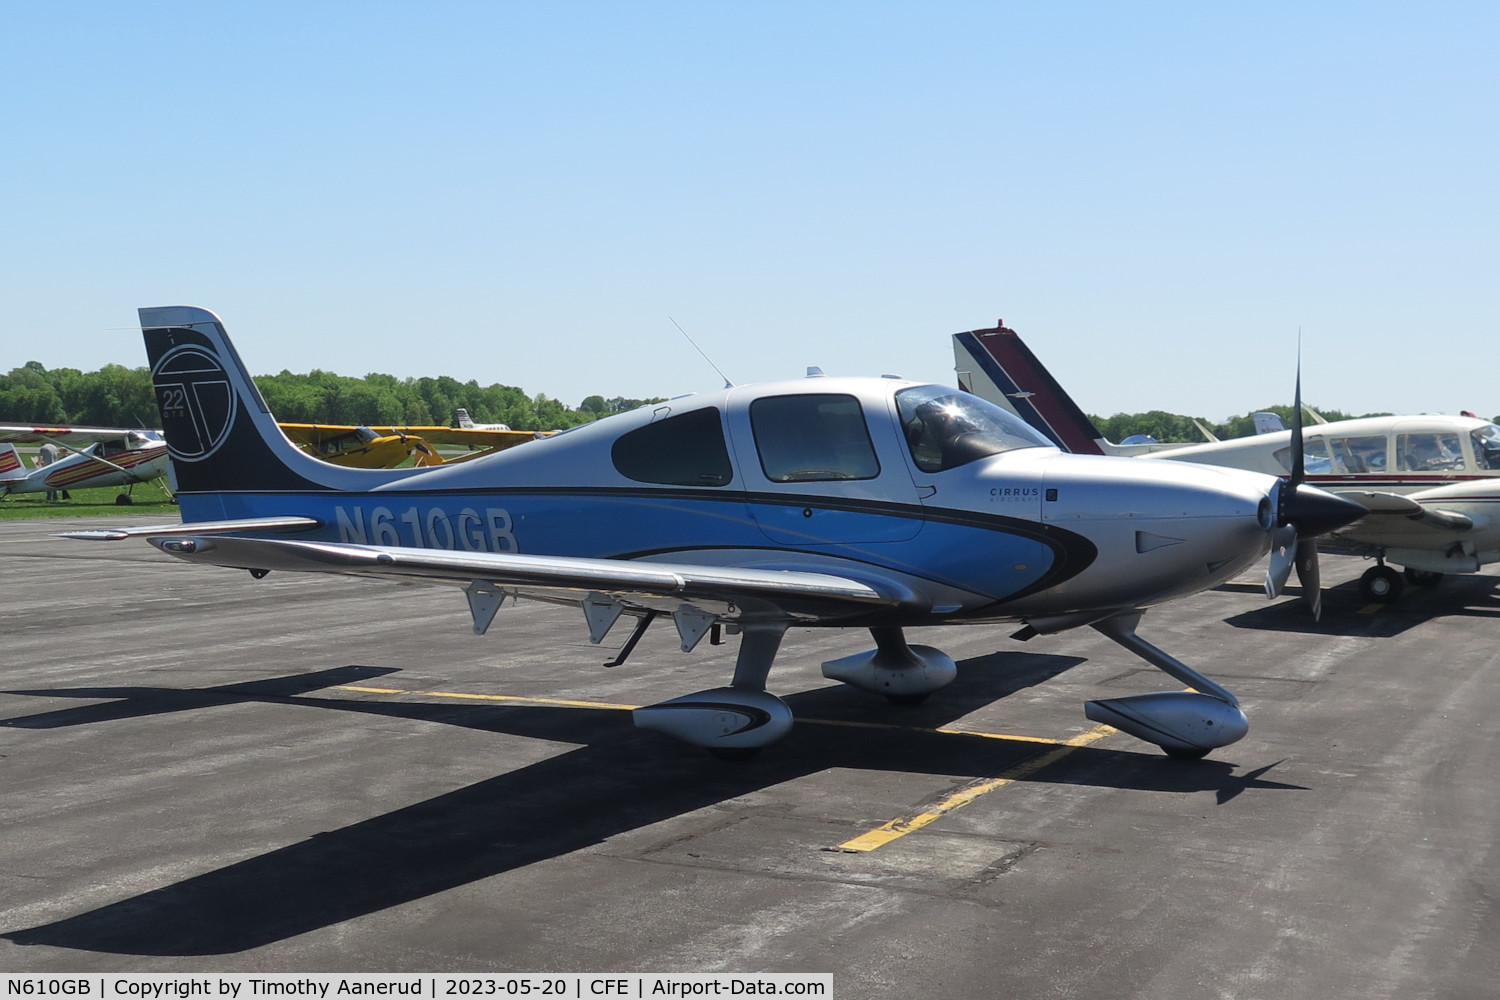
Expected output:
(1302, 513)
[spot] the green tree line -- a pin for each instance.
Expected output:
(116, 396)
(1175, 427)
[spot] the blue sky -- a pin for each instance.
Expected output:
(1156, 195)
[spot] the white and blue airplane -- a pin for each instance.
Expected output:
(875, 503)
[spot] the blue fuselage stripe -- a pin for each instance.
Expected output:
(999, 557)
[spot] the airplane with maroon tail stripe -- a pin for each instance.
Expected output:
(1431, 482)
(112, 457)
(868, 503)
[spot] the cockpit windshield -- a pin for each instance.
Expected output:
(946, 428)
(1487, 446)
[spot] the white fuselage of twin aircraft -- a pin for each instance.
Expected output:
(1430, 482)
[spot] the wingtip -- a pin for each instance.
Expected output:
(94, 535)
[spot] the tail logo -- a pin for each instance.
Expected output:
(196, 401)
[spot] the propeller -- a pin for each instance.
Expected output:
(1302, 513)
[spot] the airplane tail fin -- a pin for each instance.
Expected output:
(464, 420)
(1267, 423)
(11, 466)
(219, 432)
(995, 365)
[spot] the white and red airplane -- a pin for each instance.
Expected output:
(96, 456)
(1431, 482)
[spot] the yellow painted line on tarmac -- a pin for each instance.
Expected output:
(519, 699)
(944, 730)
(1370, 609)
(898, 828)
(513, 699)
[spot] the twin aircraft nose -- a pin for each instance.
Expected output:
(1314, 511)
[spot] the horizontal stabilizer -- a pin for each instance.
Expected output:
(196, 528)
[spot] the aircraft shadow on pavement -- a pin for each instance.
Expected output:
(135, 702)
(1347, 612)
(620, 779)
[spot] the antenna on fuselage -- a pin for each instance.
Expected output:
(727, 384)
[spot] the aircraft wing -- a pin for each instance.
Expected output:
(494, 440)
(639, 586)
(1392, 514)
(73, 437)
(314, 434)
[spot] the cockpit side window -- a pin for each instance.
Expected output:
(1487, 446)
(946, 428)
(814, 437)
(1429, 452)
(685, 450)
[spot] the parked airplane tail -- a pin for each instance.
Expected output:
(466, 422)
(995, 365)
(219, 432)
(1267, 423)
(11, 466)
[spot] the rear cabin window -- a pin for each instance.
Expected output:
(685, 450)
(1315, 460)
(812, 438)
(1358, 455)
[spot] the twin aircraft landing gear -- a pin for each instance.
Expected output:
(1382, 584)
(738, 720)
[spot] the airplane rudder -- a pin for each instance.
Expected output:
(219, 432)
(1025, 386)
(11, 466)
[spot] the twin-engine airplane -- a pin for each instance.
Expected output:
(875, 503)
(1431, 483)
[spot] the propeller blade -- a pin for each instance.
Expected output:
(1283, 555)
(1299, 468)
(1293, 486)
(1309, 577)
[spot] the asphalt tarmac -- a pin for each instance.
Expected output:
(204, 772)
